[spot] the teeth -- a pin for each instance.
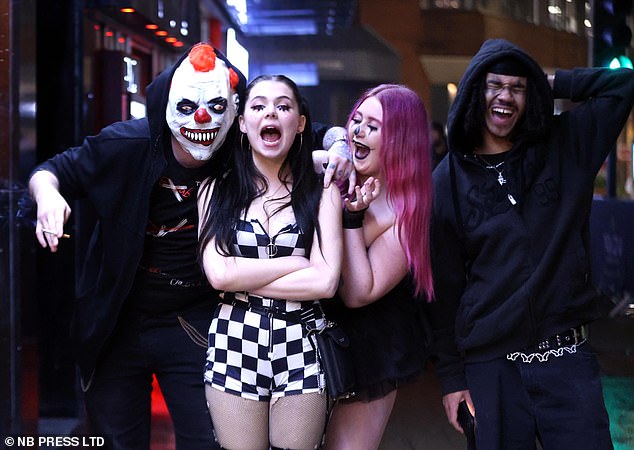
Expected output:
(200, 135)
(502, 111)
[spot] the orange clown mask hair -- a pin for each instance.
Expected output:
(202, 102)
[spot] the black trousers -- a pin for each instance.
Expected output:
(119, 398)
(558, 402)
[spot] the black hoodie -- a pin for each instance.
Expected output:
(511, 262)
(116, 171)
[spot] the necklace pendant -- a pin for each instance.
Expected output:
(512, 199)
(501, 179)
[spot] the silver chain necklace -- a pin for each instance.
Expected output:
(500, 177)
(495, 167)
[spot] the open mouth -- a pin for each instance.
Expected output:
(361, 151)
(502, 112)
(270, 134)
(202, 137)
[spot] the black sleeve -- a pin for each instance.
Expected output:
(319, 130)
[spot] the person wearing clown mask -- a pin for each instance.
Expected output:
(201, 107)
(144, 305)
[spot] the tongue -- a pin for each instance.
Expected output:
(361, 153)
(270, 135)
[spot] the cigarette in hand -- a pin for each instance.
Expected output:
(64, 236)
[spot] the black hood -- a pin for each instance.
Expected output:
(158, 92)
(492, 51)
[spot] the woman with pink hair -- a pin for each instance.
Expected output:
(386, 273)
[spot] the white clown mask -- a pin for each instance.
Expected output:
(202, 102)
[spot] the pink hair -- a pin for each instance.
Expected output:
(406, 171)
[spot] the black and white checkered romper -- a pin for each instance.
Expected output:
(257, 347)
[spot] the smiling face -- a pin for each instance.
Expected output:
(201, 107)
(271, 120)
(505, 98)
(364, 132)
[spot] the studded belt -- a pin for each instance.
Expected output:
(573, 336)
(553, 346)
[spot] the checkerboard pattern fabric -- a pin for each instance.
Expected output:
(252, 241)
(255, 350)
(259, 356)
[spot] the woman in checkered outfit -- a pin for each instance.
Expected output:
(271, 240)
(386, 272)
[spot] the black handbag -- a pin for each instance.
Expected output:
(333, 349)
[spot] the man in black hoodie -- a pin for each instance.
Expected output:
(143, 304)
(511, 249)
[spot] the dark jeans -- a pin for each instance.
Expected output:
(559, 402)
(119, 398)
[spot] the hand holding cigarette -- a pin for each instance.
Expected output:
(50, 239)
(52, 209)
(63, 236)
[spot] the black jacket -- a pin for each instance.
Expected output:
(507, 276)
(116, 171)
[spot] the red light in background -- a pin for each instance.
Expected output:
(171, 39)
(121, 40)
(161, 33)
(178, 44)
(127, 10)
(215, 32)
(151, 26)
(109, 33)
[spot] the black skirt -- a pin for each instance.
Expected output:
(389, 340)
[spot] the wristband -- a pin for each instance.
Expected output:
(352, 219)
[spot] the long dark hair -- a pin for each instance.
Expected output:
(242, 182)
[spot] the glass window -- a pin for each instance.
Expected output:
(565, 15)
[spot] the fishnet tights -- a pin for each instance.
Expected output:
(292, 422)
